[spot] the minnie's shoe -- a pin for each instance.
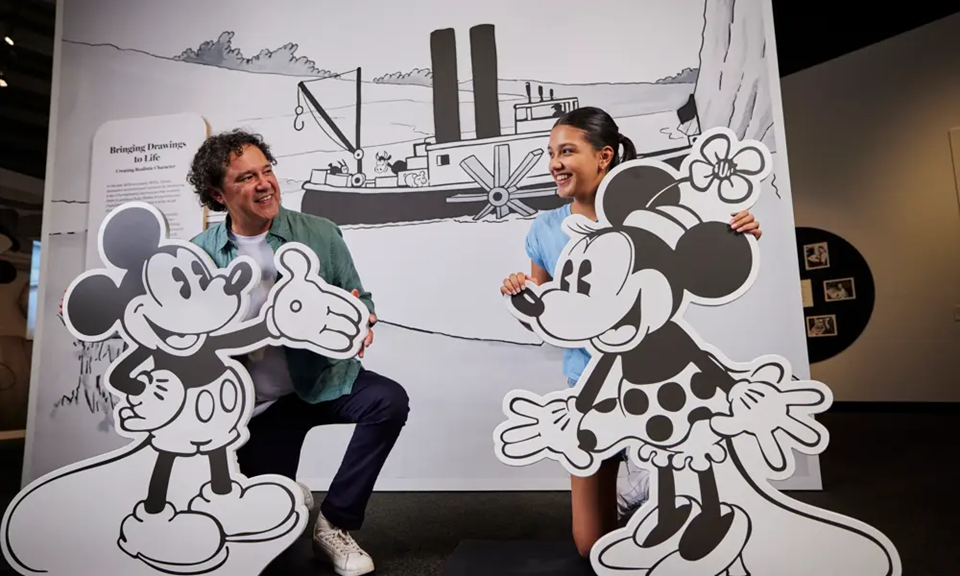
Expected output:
(709, 545)
(652, 541)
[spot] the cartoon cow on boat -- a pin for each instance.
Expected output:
(173, 501)
(715, 431)
(384, 164)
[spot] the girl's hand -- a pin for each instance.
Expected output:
(515, 283)
(745, 222)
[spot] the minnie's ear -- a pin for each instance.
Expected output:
(131, 236)
(713, 261)
(94, 306)
(631, 187)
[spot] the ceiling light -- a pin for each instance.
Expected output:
(3, 83)
(9, 40)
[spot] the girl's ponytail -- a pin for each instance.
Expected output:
(629, 150)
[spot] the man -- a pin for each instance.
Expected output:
(297, 390)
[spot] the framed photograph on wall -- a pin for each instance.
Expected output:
(839, 289)
(816, 256)
(821, 326)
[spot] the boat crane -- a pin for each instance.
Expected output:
(357, 178)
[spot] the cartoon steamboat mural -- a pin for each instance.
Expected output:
(448, 176)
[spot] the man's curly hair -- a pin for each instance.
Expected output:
(210, 163)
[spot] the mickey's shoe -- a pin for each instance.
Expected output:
(260, 512)
(173, 542)
(339, 548)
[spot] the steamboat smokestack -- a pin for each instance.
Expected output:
(446, 92)
(486, 98)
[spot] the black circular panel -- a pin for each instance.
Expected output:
(838, 292)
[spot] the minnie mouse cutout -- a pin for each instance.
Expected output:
(715, 431)
(173, 500)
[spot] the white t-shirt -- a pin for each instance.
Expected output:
(268, 365)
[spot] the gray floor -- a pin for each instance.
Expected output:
(896, 472)
(412, 534)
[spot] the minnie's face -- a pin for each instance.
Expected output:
(598, 297)
(184, 301)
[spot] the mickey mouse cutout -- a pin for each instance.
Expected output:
(173, 500)
(715, 431)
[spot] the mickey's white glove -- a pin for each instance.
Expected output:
(160, 402)
(303, 311)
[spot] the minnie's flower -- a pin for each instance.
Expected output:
(726, 174)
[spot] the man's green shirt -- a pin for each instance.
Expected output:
(315, 378)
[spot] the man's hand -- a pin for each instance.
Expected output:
(373, 320)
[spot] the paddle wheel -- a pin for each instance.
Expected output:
(501, 187)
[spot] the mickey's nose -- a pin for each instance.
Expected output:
(587, 440)
(528, 303)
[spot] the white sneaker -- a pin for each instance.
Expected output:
(340, 549)
(634, 492)
(308, 502)
(307, 496)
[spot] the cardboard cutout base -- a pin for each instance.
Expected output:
(174, 501)
(713, 431)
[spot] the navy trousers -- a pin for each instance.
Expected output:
(377, 405)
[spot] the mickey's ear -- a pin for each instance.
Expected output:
(713, 261)
(94, 306)
(131, 236)
(632, 186)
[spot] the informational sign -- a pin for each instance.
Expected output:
(146, 160)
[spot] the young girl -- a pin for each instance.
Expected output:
(583, 148)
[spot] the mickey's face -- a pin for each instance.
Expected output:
(598, 296)
(184, 301)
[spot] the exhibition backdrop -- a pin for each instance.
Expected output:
(393, 120)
